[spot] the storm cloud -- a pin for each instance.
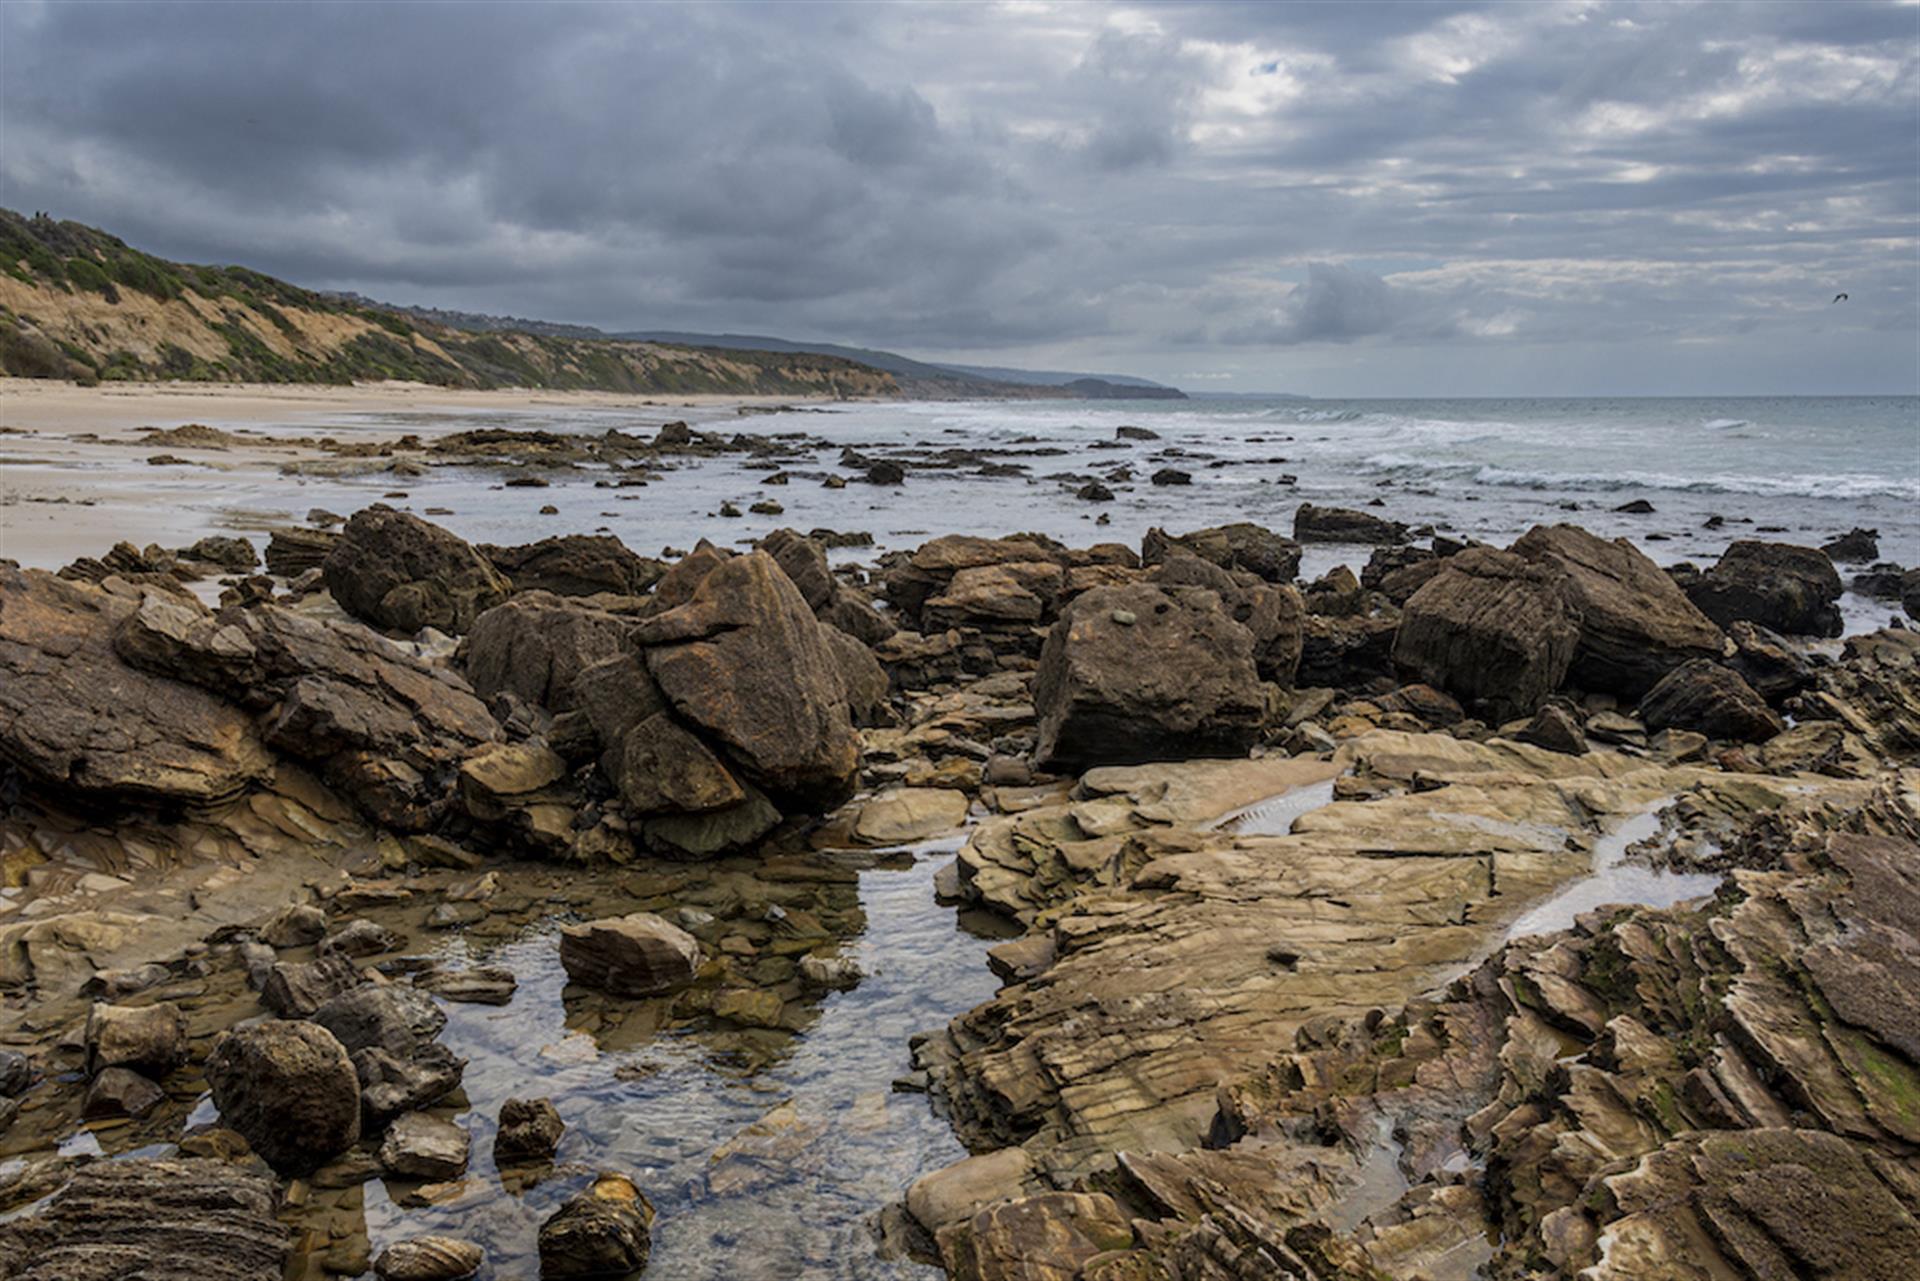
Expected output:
(1383, 198)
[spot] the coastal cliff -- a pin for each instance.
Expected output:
(80, 304)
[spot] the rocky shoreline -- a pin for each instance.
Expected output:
(1250, 849)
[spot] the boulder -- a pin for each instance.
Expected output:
(1554, 728)
(1491, 628)
(863, 681)
(1709, 699)
(1910, 592)
(635, 955)
(536, 645)
(804, 560)
(1274, 612)
(1343, 525)
(75, 715)
(743, 660)
(429, 1258)
(1636, 625)
(1254, 548)
(1142, 673)
(289, 1089)
(155, 1220)
(401, 573)
(660, 767)
(605, 1231)
(959, 1191)
(906, 814)
(119, 1091)
(1769, 663)
(1777, 585)
(151, 1039)
(391, 1016)
(419, 1145)
(235, 554)
(16, 1073)
(295, 989)
(384, 727)
(297, 925)
(292, 552)
(575, 565)
(1855, 547)
(926, 573)
(529, 1132)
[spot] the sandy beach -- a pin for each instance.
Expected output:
(75, 476)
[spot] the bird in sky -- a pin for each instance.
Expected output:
(1838, 298)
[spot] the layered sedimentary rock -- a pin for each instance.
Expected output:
(160, 1220)
(386, 728)
(1254, 548)
(75, 715)
(1636, 625)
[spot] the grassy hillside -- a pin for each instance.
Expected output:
(78, 303)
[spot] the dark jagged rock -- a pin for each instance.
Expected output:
(1709, 699)
(1774, 668)
(1146, 673)
(1856, 547)
(744, 661)
(1247, 546)
(1636, 625)
(529, 1132)
(289, 1089)
(391, 1083)
(1171, 476)
(1490, 628)
(155, 1220)
(121, 1091)
(75, 715)
(390, 1016)
(603, 1232)
(1555, 729)
(1341, 525)
(235, 554)
(295, 989)
(1353, 652)
(401, 573)
(1777, 585)
(804, 560)
(536, 644)
(575, 565)
(1880, 582)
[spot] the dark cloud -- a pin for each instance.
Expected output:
(1330, 197)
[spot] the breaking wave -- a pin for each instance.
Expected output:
(1840, 485)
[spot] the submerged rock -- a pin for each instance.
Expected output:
(1146, 673)
(429, 1258)
(907, 814)
(605, 1231)
(289, 1089)
(156, 1220)
(635, 955)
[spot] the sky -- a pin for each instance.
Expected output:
(1362, 199)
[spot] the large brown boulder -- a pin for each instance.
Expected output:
(575, 565)
(834, 603)
(1274, 612)
(1243, 545)
(536, 645)
(743, 660)
(288, 1089)
(932, 566)
(74, 714)
(402, 573)
(1777, 585)
(1144, 673)
(384, 727)
(1491, 628)
(1636, 625)
(156, 1220)
(1709, 699)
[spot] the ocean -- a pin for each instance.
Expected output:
(1796, 469)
